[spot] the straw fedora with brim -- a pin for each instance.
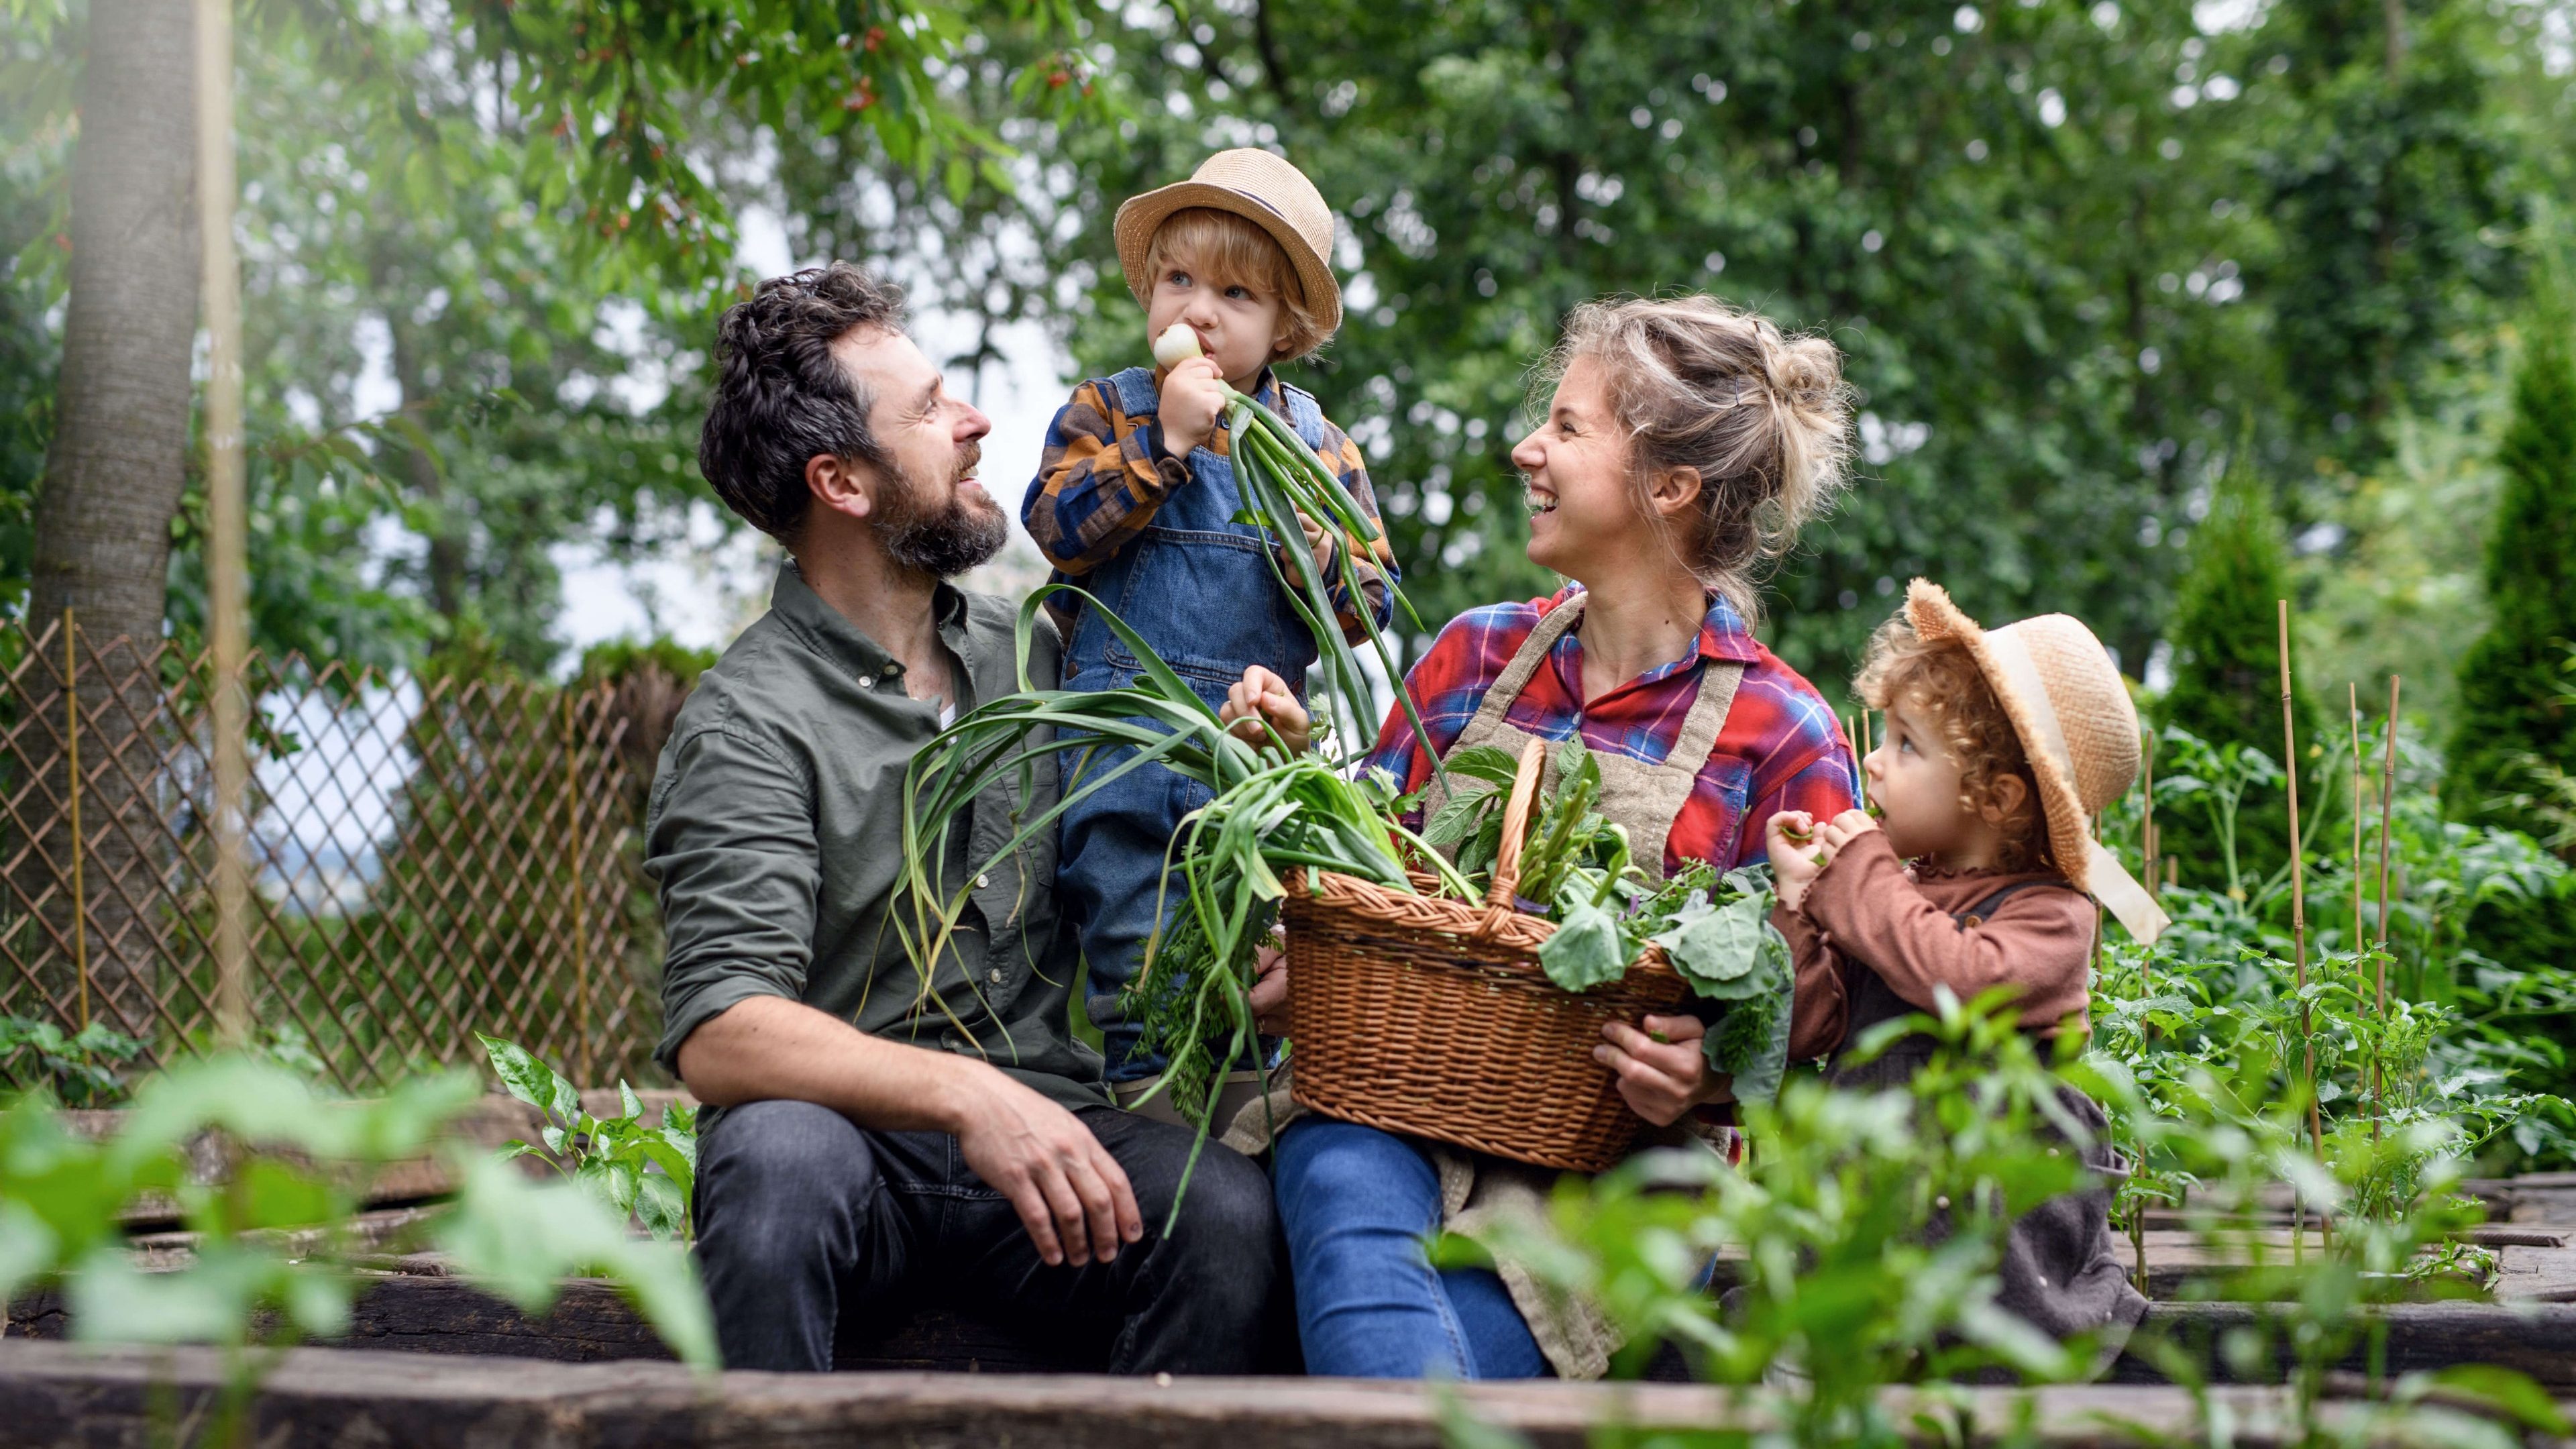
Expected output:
(2077, 727)
(1265, 190)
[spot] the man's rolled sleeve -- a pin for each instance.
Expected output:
(731, 846)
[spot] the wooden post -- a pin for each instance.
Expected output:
(227, 533)
(80, 889)
(584, 1049)
(2299, 894)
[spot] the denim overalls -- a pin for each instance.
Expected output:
(1199, 588)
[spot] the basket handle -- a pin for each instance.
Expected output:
(1516, 818)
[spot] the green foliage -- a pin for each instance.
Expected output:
(1869, 1225)
(2478, 1017)
(646, 1173)
(86, 1068)
(2389, 181)
(2227, 663)
(296, 1162)
(612, 661)
(2046, 237)
(2513, 708)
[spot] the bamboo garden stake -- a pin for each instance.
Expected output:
(2147, 844)
(2352, 707)
(2352, 702)
(2379, 954)
(2299, 895)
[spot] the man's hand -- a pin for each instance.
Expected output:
(1796, 858)
(1071, 1195)
(1261, 696)
(1193, 399)
(1662, 1071)
(1269, 996)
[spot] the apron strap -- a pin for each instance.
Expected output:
(1698, 739)
(1507, 686)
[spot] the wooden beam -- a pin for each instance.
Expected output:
(63, 1393)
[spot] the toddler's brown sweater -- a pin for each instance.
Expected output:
(1867, 909)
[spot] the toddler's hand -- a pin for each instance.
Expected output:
(1844, 828)
(1796, 858)
(1193, 399)
(1261, 696)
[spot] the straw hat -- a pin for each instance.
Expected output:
(1256, 185)
(2071, 709)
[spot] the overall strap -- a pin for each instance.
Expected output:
(1298, 406)
(1984, 910)
(1135, 391)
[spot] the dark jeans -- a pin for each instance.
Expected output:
(804, 1218)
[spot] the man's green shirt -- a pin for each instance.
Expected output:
(775, 836)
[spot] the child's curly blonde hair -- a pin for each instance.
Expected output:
(1942, 688)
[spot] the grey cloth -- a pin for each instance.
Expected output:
(2059, 1271)
(775, 837)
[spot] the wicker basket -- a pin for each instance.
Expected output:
(1432, 1017)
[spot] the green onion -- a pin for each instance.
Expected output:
(1272, 813)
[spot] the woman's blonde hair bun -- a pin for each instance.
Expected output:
(1764, 417)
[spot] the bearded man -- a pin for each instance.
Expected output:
(877, 1137)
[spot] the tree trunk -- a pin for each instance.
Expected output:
(113, 479)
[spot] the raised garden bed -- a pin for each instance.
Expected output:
(429, 1313)
(54, 1394)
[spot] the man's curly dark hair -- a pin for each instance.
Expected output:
(781, 397)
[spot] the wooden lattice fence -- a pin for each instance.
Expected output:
(431, 857)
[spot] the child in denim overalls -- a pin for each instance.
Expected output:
(1136, 500)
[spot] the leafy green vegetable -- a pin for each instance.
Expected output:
(1587, 949)
(1716, 947)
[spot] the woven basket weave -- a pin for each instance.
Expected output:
(1431, 1017)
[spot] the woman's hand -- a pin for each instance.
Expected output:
(1261, 698)
(1796, 860)
(1269, 995)
(1662, 1071)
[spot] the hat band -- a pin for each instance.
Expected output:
(2109, 881)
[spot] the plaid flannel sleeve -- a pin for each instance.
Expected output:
(1098, 483)
(1824, 787)
(1375, 572)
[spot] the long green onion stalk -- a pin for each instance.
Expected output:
(1272, 812)
(1282, 480)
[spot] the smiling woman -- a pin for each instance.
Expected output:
(1683, 444)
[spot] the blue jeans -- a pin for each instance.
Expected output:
(1359, 1207)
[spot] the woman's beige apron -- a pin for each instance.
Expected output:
(1475, 1190)
(1646, 799)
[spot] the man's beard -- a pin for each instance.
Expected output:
(954, 538)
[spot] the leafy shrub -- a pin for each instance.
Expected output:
(299, 1162)
(643, 1172)
(2513, 705)
(84, 1069)
(2227, 659)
